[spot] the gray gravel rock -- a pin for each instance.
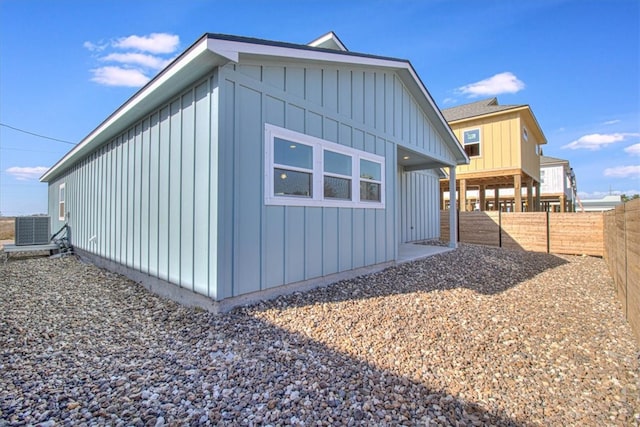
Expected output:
(477, 336)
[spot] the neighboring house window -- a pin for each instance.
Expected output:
(542, 174)
(471, 139)
(61, 196)
(301, 170)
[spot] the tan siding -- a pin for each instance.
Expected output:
(500, 143)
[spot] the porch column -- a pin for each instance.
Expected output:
(442, 204)
(530, 207)
(517, 193)
(453, 212)
(496, 199)
(538, 207)
(463, 195)
(562, 203)
(482, 200)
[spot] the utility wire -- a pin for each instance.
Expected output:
(36, 134)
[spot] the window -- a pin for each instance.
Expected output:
(61, 210)
(525, 134)
(370, 181)
(301, 170)
(471, 140)
(337, 175)
(293, 171)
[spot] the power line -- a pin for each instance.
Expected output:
(37, 134)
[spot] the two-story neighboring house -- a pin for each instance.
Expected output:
(503, 143)
(558, 188)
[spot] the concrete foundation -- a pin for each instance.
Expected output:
(189, 298)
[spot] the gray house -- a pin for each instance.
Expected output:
(249, 168)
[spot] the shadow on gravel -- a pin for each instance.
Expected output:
(482, 269)
(216, 370)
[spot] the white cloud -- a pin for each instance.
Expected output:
(95, 47)
(26, 173)
(611, 122)
(154, 43)
(500, 83)
(118, 76)
(622, 171)
(149, 61)
(634, 150)
(134, 59)
(595, 141)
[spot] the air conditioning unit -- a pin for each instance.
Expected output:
(32, 230)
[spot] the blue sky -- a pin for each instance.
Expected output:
(66, 65)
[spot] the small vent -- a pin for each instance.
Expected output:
(32, 230)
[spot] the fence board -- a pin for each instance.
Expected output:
(622, 253)
(632, 224)
(576, 233)
(444, 226)
(525, 230)
(620, 268)
(480, 228)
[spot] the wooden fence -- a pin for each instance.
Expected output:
(560, 233)
(622, 254)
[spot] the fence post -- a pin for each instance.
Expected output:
(499, 227)
(548, 234)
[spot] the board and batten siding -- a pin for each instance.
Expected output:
(419, 211)
(148, 198)
(500, 146)
(268, 246)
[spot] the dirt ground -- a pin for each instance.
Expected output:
(6, 230)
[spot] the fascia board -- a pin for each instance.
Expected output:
(194, 61)
(538, 129)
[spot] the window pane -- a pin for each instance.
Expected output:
(472, 150)
(337, 163)
(471, 136)
(291, 183)
(293, 154)
(337, 188)
(369, 191)
(369, 170)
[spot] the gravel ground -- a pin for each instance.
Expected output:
(477, 336)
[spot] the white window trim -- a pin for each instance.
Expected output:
(319, 145)
(479, 142)
(62, 201)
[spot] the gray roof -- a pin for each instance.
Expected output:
(478, 108)
(545, 160)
